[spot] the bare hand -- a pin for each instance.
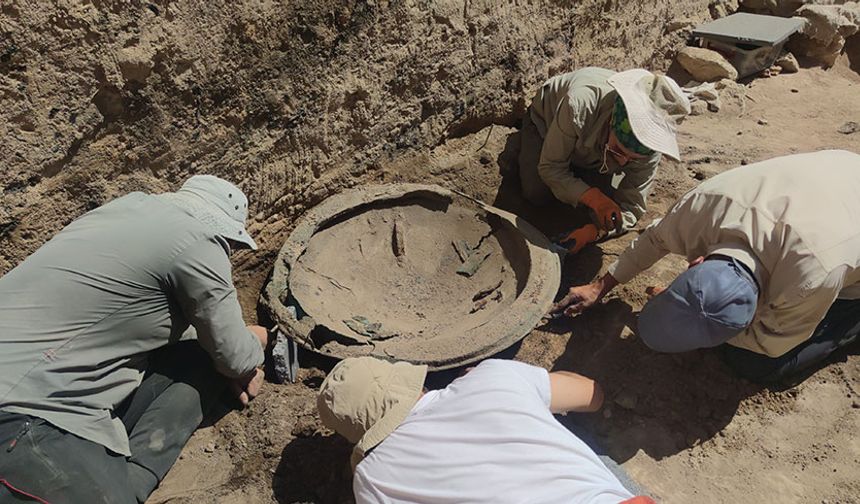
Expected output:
(578, 299)
(654, 291)
(261, 333)
(247, 388)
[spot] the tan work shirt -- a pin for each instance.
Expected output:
(572, 112)
(78, 317)
(794, 220)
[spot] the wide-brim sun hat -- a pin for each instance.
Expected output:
(655, 105)
(364, 399)
(217, 204)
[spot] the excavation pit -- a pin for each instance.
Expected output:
(411, 272)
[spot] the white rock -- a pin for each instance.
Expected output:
(787, 62)
(679, 24)
(706, 65)
(722, 8)
(135, 63)
(775, 7)
(732, 97)
(698, 107)
(822, 37)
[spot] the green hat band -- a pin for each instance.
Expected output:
(623, 131)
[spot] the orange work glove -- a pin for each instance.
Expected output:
(579, 238)
(608, 212)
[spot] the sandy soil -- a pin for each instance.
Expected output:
(297, 101)
(682, 425)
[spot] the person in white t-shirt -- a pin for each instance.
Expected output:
(490, 436)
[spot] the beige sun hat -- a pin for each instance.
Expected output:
(364, 399)
(655, 105)
(217, 204)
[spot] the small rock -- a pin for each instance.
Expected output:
(744, 162)
(855, 404)
(283, 358)
(135, 63)
(679, 24)
(626, 333)
(827, 27)
(787, 62)
(762, 122)
(7, 223)
(210, 447)
(849, 127)
(706, 65)
(781, 8)
(698, 107)
(732, 96)
(698, 435)
(627, 400)
(722, 8)
(795, 90)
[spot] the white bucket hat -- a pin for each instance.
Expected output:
(655, 106)
(364, 399)
(217, 204)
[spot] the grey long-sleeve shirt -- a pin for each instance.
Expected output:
(79, 316)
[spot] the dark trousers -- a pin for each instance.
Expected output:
(40, 459)
(840, 327)
(535, 191)
(531, 143)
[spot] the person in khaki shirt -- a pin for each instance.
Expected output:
(587, 126)
(774, 252)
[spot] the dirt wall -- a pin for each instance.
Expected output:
(290, 100)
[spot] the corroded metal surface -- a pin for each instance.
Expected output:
(537, 283)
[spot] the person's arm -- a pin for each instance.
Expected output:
(200, 280)
(687, 226)
(560, 391)
(668, 234)
(634, 189)
(574, 392)
(555, 156)
(581, 297)
(644, 251)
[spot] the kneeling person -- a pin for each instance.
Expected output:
(489, 436)
(774, 252)
(586, 126)
(97, 394)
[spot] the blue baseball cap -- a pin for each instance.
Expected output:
(705, 306)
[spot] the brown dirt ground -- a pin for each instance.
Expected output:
(681, 424)
(297, 100)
